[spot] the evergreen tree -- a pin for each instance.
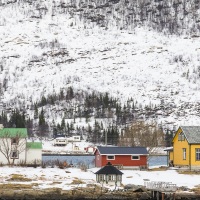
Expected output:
(35, 111)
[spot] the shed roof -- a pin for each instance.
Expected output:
(105, 150)
(13, 132)
(192, 134)
(34, 145)
(109, 169)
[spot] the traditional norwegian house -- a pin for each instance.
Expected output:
(109, 175)
(14, 148)
(186, 147)
(122, 157)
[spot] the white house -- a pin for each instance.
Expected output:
(14, 148)
(60, 141)
(74, 138)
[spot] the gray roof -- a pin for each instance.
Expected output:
(105, 150)
(192, 134)
(109, 169)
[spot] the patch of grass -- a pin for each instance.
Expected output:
(56, 182)
(196, 189)
(19, 177)
(77, 181)
(158, 169)
(16, 186)
(189, 172)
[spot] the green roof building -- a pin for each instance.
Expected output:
(13, 132)
(34, 145)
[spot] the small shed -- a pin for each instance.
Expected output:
(109, 175)
(34, 153)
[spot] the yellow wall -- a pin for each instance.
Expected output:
(194, 162)
(171, 154)
(178, 150)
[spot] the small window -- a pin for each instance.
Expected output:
(101, 177)
(134, 157)
(197, 154)
(119, 177)
(111, 177)
(110, 157)
(181, 137)
(14, 141)
(184, 153)
(14, 154)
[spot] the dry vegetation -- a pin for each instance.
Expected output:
(14, 186)
(196, 189)
(189, 172)
(77, 181)
(19, 177)
(159, 169)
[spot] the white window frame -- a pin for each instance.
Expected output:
(110, 158)
(197, 152)
(134, 158)
(184, 153)
(101, 177)
(11, 155)
(119, 178)
(181, 137)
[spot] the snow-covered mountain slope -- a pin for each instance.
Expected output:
(41, 55)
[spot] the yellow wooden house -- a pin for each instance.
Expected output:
(186, 147)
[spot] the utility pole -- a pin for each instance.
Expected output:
(106, 138)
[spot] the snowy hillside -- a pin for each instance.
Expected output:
(43, 50)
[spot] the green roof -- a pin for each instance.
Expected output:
(13, 132)
(34, 145)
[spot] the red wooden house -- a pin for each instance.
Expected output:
(123, 157)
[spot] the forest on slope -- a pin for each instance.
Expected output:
(49, 48)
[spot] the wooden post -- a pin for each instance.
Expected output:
(163, 196)
(152, 192)
(157, 195)
(173, 196)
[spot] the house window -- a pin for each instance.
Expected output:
(110, 157)
(14, 141)
(14, 154)
(119, 177)
(181, 137)
(134, 157)
(101, 177)
(111, 177)
(184, 153)
(197, 154)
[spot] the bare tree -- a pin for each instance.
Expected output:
(12, 146)
(143, 134)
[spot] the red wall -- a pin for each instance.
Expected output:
(124, 160)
